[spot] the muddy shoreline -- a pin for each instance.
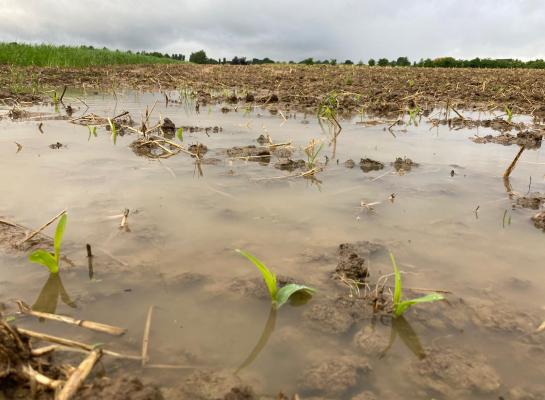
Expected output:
(381, 91)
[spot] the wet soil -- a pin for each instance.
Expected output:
(379, 90)
(344, 344)
(368, 165)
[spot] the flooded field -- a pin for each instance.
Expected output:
(419, 188)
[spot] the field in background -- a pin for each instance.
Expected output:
(44, 55)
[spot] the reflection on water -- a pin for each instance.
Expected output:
(262, 342)
(402, 328)
(49, 295)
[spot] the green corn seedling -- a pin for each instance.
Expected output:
(279, 296)
(45, 258)
(312, 151)
(113, 129)
(400, 306)
(180, 134)
(509, 113)
(92, 131)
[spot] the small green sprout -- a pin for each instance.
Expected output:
(278, 296)
(92, 131)
(509, 113)
(180, 134)
(400, 306)
(45, 258)
(413, 113)
(312, 151)
(113, 129)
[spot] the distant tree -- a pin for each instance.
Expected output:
(198, 57)
(383, 62)
(333, 61)
(371, 62)
(403, 62)
(307, 61)
(348, 62)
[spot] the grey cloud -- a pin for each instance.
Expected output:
(286, 29)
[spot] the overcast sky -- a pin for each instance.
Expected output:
(287, 29)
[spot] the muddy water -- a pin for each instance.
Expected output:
(178, 255)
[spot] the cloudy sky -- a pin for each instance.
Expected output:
(287, 29)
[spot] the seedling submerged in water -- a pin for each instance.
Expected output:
(400, 306)
(45, 258)
(279, 296)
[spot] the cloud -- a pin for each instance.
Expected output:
(286, 29)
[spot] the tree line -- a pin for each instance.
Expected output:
(200, 57)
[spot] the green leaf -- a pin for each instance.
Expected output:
(287, 291)
(113, 129)
(59, 233)
(405, 305)
(268, 276)
(180, 134)
(398, 288)
(46, 259)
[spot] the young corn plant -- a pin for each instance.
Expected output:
(45, 258)
(509, 113)
(180, 134)
(400, 306)
(312, 151)
(413, 114)
(92, 131)
(279, 296)
(113, 129)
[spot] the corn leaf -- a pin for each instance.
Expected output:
(287, 291)
(113, 129)
(46, 259)
(59, 233)
(180, 134)
(398, 289)
(405, 305)
(268, 276)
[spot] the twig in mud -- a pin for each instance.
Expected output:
(79, 375)
(62, 95)
(513, 163)
(41, 228)
(19, 147)
(42, 351)
(145, 339)
(40, 127)
(71, 343)
(124, 219)
(34, 375)
(94, 326)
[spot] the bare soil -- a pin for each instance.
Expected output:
(375, 90)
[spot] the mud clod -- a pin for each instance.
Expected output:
(352, 266)
(530, 139)
(368, 165)
(534, 201)
(290, 165)
(124, 388)
(452, 374)
(252, 152)
(334, 377)
(404, 164)
(198, 148)
(539, 220)
(349, 164)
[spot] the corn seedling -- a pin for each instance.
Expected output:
(400, 306)
(413, 113)
(312, 151)
(328, 107)
(113, 129)
(45, 258)
(92, 131)
(509, 113)
(279, 296)
(180, 134)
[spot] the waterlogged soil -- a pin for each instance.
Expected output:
(423, 191)
(374, 90)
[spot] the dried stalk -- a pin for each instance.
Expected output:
(79, 375)
(513, 163)
(41, 228)
(145, 339)
(34, 375)
(71, 343)
(94, 326)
